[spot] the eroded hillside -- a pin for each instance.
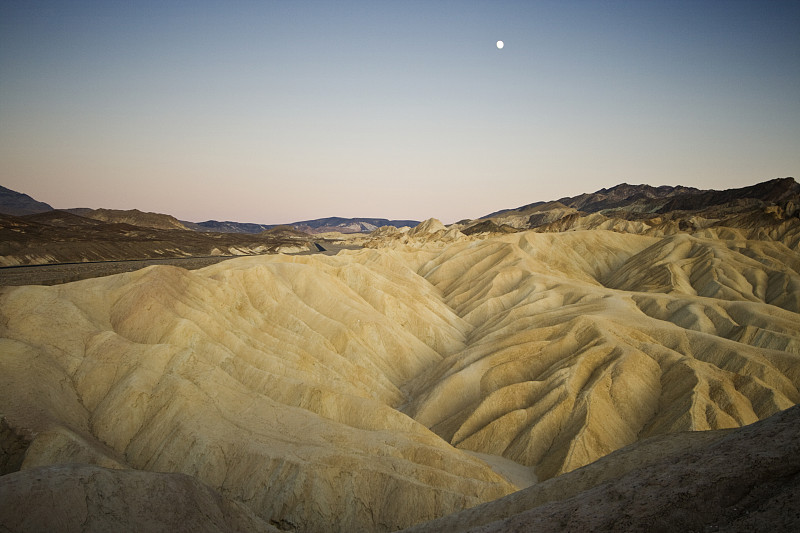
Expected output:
(344, 392)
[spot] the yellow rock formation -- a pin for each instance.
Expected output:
(343, 392)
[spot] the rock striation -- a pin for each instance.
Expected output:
(727, 480)
(273, 381)
(768, 210)
(428, 373)
(344, 392)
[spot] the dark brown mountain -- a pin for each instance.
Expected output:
(663, 199)
(770, 192)
(349, 225)
(319, 225)
(285, 231)
(130, 216)
(226, 226)
(17, 203)
(771, 208)
(487, 226)
(63, 237)
(58, 217)
(626, 195)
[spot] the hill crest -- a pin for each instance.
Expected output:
(17, 203)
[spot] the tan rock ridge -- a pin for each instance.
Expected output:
(428, 232)
(560, 370)
(271, 381)
(340, 392)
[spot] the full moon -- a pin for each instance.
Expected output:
(499, 44)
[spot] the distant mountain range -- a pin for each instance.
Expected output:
(641, 203)
(17, 204)
(226, 226)
(648, 199)
(319, 225)
(350, 225)
(624, 201)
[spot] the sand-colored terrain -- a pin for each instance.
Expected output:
(271, 380)
(358, 392)
(740, 480)
(568, 358)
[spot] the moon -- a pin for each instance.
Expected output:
(500, 44)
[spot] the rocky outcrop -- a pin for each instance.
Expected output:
(765, 210)
(86, 498)
(345, 392)
(134, 217)
(16, 203)
(738, 481)
(63, 237)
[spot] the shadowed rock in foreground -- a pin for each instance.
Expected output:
(88, 498)
(746, 479)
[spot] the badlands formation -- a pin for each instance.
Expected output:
(430, 372)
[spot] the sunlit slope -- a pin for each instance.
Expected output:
(334, 392)
(561, 367)
(270, 379)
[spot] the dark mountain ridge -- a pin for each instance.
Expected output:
(58, 217)
(773, 191)
(17, 203)
(660, 210)
(130, 216)
(226, 226)
(318, 225)
(625, 194)
(666, 198)
(350, 225)
(63, 237)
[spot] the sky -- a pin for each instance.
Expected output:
(279, 111)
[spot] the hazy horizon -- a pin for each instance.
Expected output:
(282, 111)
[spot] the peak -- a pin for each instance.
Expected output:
(787, 183)
(17, 203)
(432, 225)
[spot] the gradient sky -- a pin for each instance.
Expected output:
(279, 111)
